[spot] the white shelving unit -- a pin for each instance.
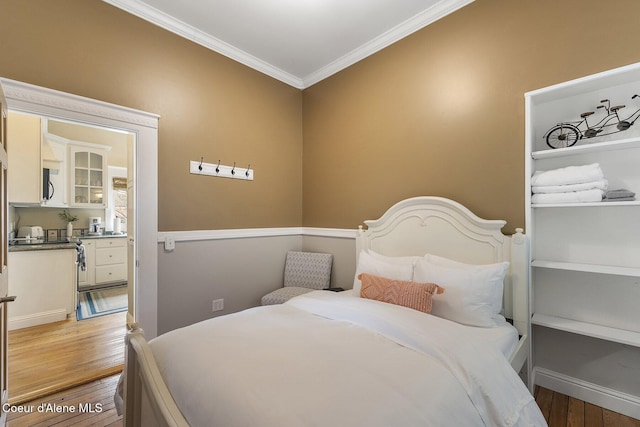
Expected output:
(585, 265)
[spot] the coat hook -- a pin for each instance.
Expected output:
(218, 167)
(247, 172)
(200, 165)
(233, 170)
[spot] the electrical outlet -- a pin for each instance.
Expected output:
(169, 243)
(218, 304)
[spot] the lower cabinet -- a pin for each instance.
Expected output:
(106, 260)
(43, 282)
(87, 278)
(111, 261)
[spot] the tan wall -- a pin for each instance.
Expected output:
(209, 105)
(442, 111)
(438, 113)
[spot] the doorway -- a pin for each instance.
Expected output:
(142, 225)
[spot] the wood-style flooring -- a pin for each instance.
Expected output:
(96, 396)
(563, 411)
(49, 358)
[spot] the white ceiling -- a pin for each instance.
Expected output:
(299, 42)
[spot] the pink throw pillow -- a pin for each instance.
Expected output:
(418, 296)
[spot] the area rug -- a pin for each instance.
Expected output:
(100, 302)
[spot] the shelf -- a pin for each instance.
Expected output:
(588, 329)
(587, 205)
(587, 268)
(620, 144)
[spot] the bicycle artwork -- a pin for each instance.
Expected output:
(566, 134)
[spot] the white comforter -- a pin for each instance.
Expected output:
(328, 360)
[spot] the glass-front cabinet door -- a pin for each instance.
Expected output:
(88, 174)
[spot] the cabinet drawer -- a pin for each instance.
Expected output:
(111, 242)
(108, 256)
(111, 273)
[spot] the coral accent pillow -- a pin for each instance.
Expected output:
(418, 296)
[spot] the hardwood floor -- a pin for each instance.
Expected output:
(48, 358)
(563, 411)
(96, 396)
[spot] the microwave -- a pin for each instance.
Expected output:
(47, 186)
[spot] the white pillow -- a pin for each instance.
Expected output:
(493, 274)
(473, 293)
(395, 259)
(368, 263)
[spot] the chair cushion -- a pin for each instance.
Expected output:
(308, 270)
(283, 295)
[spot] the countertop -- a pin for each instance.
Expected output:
(38, 245)
(103, 236)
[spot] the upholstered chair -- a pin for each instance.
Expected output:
(303, 272)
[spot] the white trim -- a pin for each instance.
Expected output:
(608, 398)
(342, 233)
(169, 23)
(60, 105)
(193, 34)
(39, 100)
(244, 233)
(36, 319)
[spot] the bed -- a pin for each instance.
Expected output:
(358, 358)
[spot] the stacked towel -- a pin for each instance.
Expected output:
(571, 184)
(620, 195)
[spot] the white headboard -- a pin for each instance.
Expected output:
(440, 226)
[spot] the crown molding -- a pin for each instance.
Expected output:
(169, 23)
(36, 99)
(193, 34)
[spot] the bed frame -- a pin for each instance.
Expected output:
(440, 226)
(414, 226)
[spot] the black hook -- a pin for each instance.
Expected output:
(218, 167)
(200, 165)
(247, 172)
(233, 170)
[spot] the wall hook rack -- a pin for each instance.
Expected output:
(198, 167)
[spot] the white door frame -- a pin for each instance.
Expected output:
(33, 99)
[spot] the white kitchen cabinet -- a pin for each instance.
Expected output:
(111, 260)
(24, 174)
(88, 174)
(106, 260)
(87, 278)
(43, 282)
(585, 263)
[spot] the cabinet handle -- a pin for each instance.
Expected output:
(7, 299)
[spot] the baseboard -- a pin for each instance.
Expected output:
(608, 398)
(37, 319)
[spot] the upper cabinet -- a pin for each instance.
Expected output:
(24, 175)
(52, 171)
(88, 167)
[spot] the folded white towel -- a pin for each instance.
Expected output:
(586, 196)
(600, 184)
(568, 175)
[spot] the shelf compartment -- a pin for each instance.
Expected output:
(587, 268)
(588, 329)
(587, 205)
(620, 144)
